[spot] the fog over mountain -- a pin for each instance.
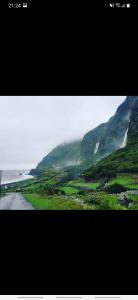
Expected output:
(30, 127)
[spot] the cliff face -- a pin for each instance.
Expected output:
(125, 159)
(108, 136)
(117, 127)
(91, 141)
(132, 138)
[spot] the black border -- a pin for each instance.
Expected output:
(69, 252)
(36, 5)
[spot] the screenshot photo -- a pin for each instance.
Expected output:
(69, 153)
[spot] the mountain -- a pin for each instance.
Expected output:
(99, 143)
(108, 137)
(126, 158)
(62, 156)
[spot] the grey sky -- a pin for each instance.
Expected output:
(30, 127)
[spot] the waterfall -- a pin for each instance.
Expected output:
(96, 147)
(124, 140)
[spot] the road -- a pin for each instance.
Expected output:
(14, 201)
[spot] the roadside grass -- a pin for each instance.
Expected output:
(51, 202)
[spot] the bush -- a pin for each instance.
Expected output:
(60, 192)
(81, 193)
(115, 188)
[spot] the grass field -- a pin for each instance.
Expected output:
(51, 181)
(52, 202)
(128, 181)
(82, 183)
(69, 190)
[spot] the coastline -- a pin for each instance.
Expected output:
(13, 181)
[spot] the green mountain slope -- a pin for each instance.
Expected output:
(62, 156)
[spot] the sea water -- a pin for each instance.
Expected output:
(9, 176)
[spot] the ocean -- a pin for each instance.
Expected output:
(9, 176)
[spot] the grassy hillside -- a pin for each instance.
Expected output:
(121, 161)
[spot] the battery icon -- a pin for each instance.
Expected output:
(24, 5)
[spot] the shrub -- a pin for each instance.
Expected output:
(81, 193)
(115, 188)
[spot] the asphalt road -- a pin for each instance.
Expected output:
(14, 201)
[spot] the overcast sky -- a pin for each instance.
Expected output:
(30, 127)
